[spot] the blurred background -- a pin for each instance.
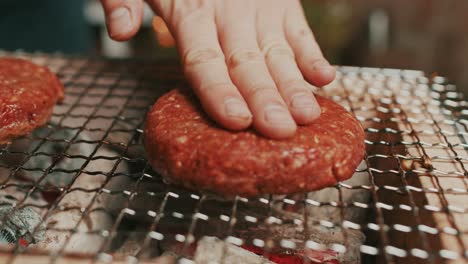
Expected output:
(428, 35)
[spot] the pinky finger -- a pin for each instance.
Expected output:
(313, 65)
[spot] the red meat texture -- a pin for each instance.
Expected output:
(188, 149)
(28, 92)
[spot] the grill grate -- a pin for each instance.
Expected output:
(408, 196)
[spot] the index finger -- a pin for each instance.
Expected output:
(205, 67)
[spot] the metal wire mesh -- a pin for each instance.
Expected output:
(409, 201)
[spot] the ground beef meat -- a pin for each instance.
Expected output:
(28, 93)
(187, 148)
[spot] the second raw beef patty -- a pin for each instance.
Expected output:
(28, 92)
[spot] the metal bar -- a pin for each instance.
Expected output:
(379, 217)
(116, 164)
(36, 183)
(403, 175)
(85, 77)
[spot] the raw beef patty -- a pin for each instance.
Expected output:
(187, 148)
(28, 92)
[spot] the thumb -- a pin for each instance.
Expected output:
(123, 17)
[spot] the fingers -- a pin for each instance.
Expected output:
(247, 61)
(205, 67)
(282, 66)
(123, 17)
(313, 65)
(249, 71)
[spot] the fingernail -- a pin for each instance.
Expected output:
(302, 100)
(236, 108)
(121, 21)
(322, 66)
(278, 116)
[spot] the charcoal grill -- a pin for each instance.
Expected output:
(415, 168)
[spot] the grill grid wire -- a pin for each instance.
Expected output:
(107, 100)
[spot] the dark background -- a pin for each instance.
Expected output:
(428, 35)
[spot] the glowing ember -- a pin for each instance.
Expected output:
(328, 256)
(23, 242)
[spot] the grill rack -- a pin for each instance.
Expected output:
(402, 111)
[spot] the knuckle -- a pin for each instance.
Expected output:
(195, 57)
(242, 56)
(304, 33)
(277, 49)
(184, 13)
(209, 88)
(293, 85)
(260, 90)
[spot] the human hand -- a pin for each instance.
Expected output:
(247, 60)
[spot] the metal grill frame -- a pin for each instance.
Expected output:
(137, 83)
